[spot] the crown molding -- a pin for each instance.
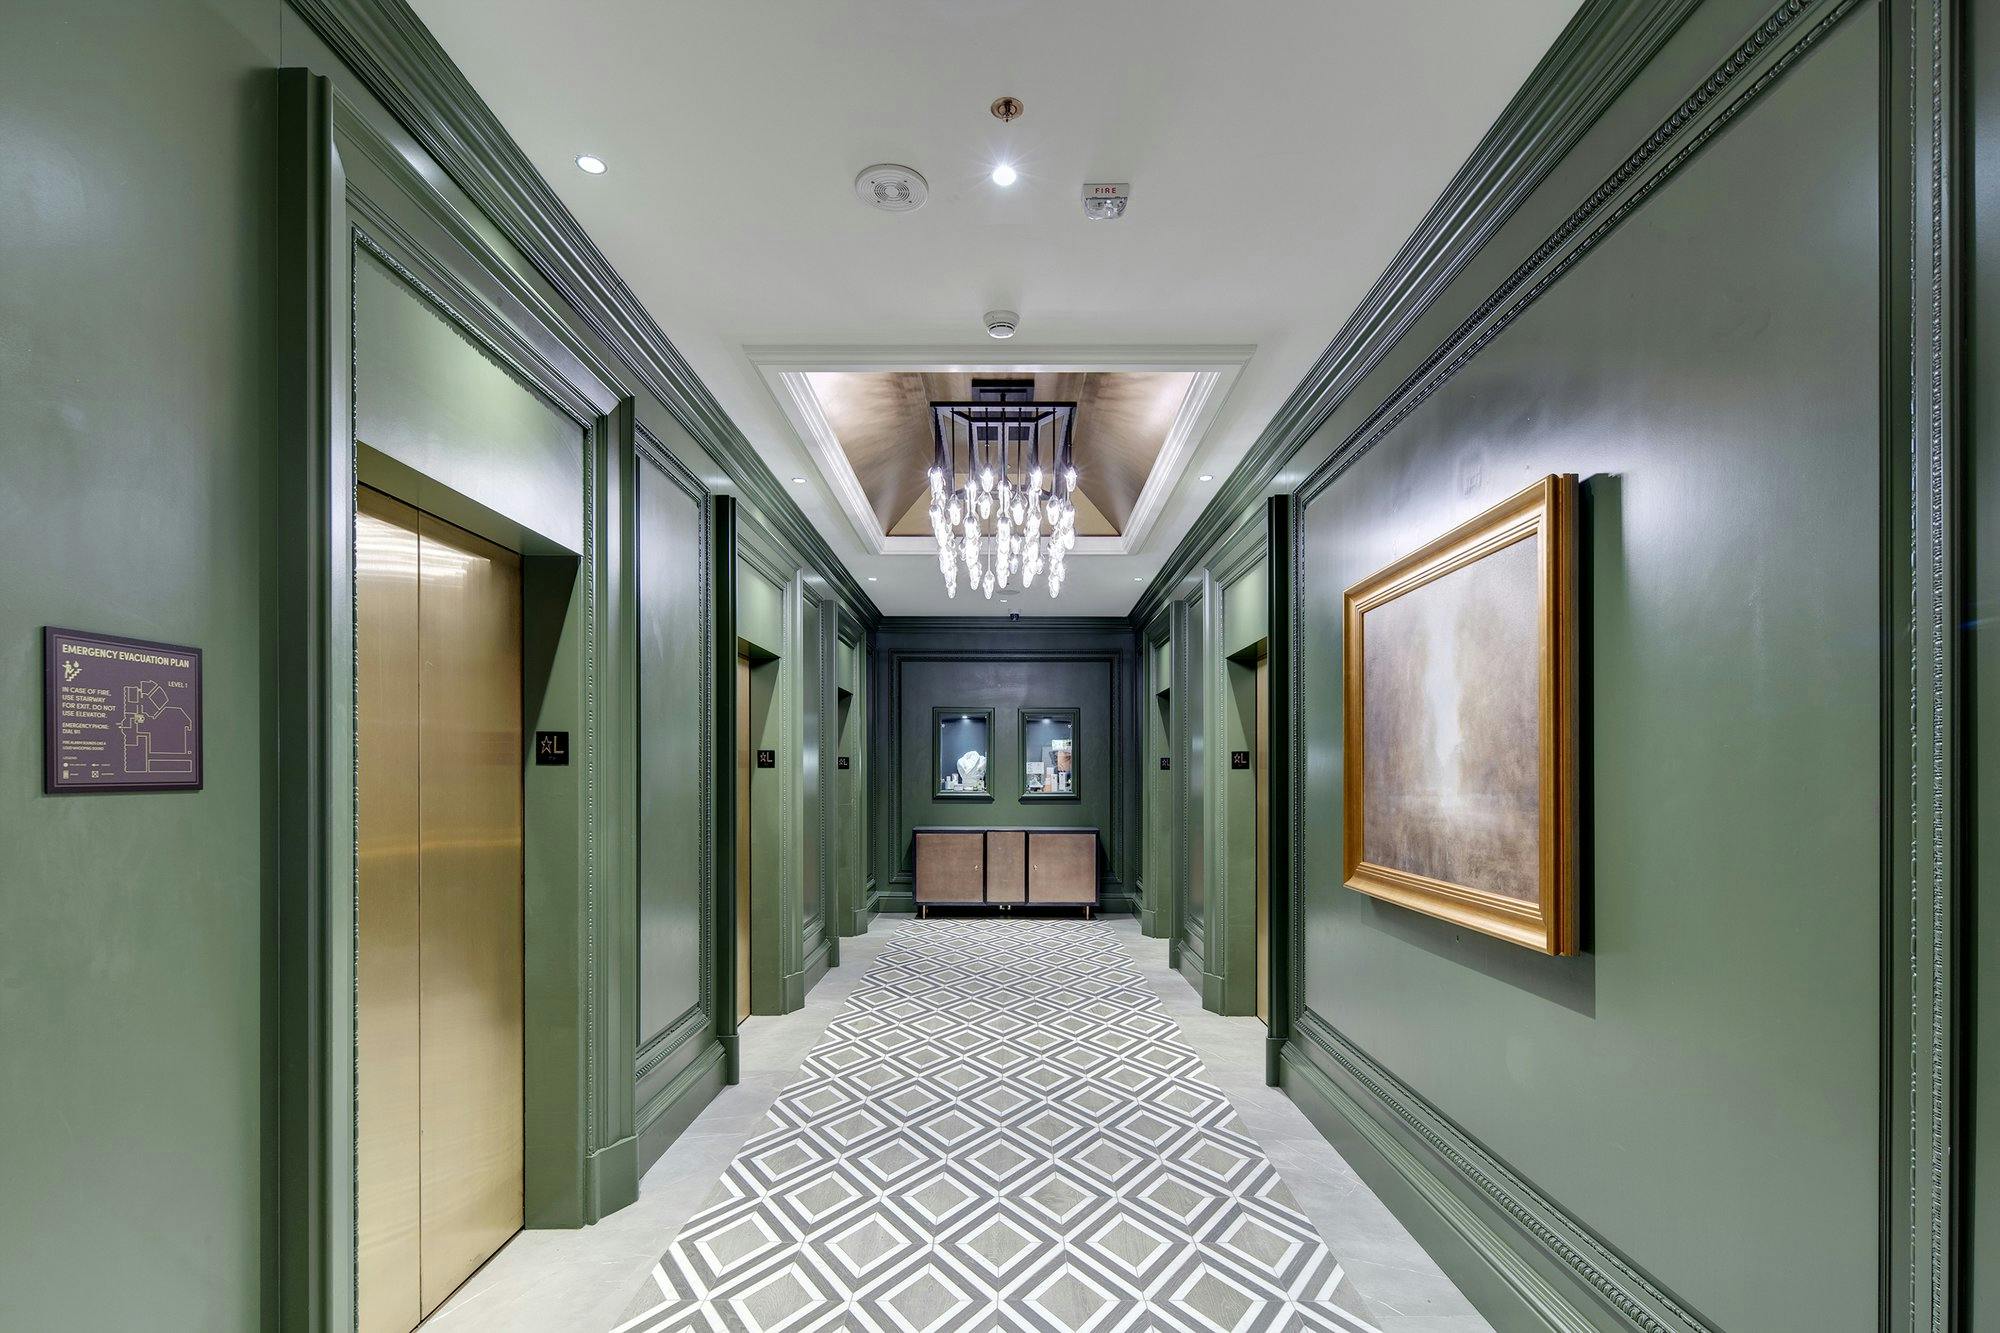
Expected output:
(786, 371)
(1590, 63)
(394, 55)
(973, 358)
(1002, 625)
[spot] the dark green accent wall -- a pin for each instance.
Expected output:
(135, 225)
(975, 663)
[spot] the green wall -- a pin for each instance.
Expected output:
(1718, 1035)
(1092, 666)
(1684, 305)
(151, 428)
(135, 217)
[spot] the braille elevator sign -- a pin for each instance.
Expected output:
(842, 763)
(1166, 761)
(767, 758)
(1239, 759)
(552, 748)
(119, 714)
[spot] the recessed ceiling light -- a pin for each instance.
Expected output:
(1005, 175)
(798, 481)
(1208, 476)
(1138, 578)
(871, 578)
(593, 165)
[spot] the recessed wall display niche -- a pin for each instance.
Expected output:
(962, 743)
(1049, 769)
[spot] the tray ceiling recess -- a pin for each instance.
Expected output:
(865, 417)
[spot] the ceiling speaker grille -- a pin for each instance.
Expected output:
(891, 188)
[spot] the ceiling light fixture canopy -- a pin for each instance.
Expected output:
(1003, 487)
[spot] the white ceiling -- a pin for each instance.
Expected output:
(1279, 153)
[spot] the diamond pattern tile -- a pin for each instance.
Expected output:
(1003, 1130)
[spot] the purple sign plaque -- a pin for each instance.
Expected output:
(121, 714)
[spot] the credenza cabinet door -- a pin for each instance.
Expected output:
(1062, 867)
(1007, 866)
(951, 867)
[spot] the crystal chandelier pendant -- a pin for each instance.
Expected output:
(1002, 487)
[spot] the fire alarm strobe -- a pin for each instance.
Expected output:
(1104, 200)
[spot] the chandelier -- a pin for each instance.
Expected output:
(1003, 488)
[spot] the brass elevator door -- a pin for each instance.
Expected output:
(438, 966)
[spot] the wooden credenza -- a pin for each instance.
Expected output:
(1005, 867)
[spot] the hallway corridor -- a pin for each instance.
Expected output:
(1005, 1128)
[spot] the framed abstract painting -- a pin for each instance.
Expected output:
(1459, 699)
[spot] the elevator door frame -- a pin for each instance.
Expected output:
(350, 193)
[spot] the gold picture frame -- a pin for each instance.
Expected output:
(1457, 663)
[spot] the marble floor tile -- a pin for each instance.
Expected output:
(980, 1124)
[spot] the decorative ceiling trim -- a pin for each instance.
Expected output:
(1591, 62)
(785, 371)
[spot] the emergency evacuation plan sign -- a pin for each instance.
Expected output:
(121, 714)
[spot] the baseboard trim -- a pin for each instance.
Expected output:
(1526, 1264)
(674, 1108)
(1187, 960)
(816, 965)
(611, 1178)
(1213, 992)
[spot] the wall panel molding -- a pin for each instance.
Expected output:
(1495, 1212)
(685, 1042)
(1924, 561)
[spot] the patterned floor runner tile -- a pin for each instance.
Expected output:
(1002, 1130)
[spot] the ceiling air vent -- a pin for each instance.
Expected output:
(891, 188)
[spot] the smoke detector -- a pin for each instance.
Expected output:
(1105, 201)
(891, 188)
(1001, 323)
